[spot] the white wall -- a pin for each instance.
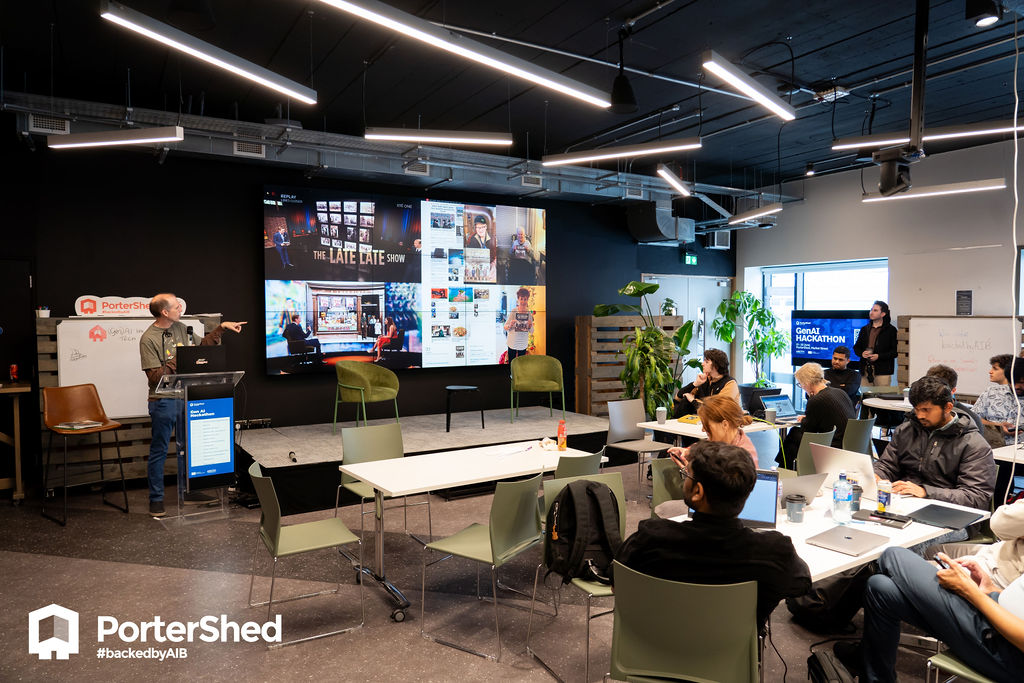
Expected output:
(927, 241)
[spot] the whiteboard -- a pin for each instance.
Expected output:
(105, 352)
(964, 344)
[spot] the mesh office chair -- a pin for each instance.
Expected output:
(80, 402)
(653, 639)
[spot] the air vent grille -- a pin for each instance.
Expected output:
(48, 125)
(247, 144)
(416, 168)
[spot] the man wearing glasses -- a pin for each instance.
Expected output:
(714, 547)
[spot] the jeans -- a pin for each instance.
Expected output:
(906, 590)
(168, 416)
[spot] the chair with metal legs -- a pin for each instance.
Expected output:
(591, 589)
(293, 539)
(365, 444)
(77, 404)
(514, 528)
(363, 383)
(945, 661)
(623, 433)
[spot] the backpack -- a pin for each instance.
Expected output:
(583, 532)
(825, 667)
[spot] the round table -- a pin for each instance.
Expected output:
(453, 389)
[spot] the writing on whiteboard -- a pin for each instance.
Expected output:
(76, 355)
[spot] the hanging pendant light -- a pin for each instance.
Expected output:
(623, 99)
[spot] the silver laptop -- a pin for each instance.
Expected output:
(849, 541)
(806, 486)
(831, 461)
(783, 406)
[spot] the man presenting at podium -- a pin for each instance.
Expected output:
(158, 351)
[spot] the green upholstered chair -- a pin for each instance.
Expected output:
(857, 436)
(804, 461)
(365, 444)
(591, 589)
(535, 373)
(652, 638)
(364, 383)
(945, 661)
(578, 465)
(284, 541)
(513, 529)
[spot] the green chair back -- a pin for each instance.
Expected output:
(514, 523)
(666, 482)
(650, 638)
(366, 444)
(804, 461)
(578, 465)
(536, 373)
(379, 384)
(857, 436)
(270, 509)
(613, 480)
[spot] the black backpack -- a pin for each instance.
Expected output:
(583, 532)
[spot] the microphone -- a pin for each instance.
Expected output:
(188, 334)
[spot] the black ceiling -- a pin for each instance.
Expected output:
(367, 75)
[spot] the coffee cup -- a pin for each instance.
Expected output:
(857, 491)
(661, 414)
(769, 415)
(795, 507)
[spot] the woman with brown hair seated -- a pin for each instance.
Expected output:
(723, 421)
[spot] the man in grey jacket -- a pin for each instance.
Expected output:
(939, 455)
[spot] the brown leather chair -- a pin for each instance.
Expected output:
(78, 403)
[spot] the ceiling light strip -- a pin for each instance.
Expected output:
(673, 180)
(211, 54)
(725, 70)
(756, 213)
(452, 137)
(945, 133)
(938, 190)
(422, 30)
(113, 138)
(656, 147)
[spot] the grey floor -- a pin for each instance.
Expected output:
(133, 567)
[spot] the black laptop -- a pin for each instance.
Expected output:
(192, 359)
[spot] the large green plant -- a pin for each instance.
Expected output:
(654, 359)
(763, 339)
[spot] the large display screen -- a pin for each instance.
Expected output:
(815, 334)
(400, 282)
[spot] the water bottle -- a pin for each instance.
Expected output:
(842, 499)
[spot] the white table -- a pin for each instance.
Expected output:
(696, 431)
(876, 403)
(1006, 453)
(432, 472)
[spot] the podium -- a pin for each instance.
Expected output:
(208, 404)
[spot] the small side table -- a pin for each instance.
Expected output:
(455, 389)
(14, 440)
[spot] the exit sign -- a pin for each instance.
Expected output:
(691, 259)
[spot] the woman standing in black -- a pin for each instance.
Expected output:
(876, 346)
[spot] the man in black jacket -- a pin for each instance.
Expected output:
(714, 547)
(938, 454)
(842, 376)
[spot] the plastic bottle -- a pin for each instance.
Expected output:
(562, 435)
(842, 498)
(884, 496)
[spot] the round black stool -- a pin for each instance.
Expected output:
(454, 389)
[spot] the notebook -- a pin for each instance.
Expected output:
(843, 539)
(943, 516)
(201, 359)
(760, 510)
(784, 410)
(807, 486)
(831, 460)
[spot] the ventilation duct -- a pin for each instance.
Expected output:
(654, 222)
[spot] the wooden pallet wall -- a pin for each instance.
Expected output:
(83, 453)
(599, 358)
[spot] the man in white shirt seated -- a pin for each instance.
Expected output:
(982, 625)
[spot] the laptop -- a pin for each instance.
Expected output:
(761, 510)
(807, 486)
(846, 540)
(830, 461)
(784, 410)
(192, 359)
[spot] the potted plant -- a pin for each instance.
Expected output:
(763, 340)
(655, 360)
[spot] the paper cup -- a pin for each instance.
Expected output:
(769, 415)
(661, 414)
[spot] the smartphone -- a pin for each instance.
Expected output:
(942, 563)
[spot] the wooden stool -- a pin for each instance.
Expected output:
(454, 389)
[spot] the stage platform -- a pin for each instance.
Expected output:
(272, 448)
